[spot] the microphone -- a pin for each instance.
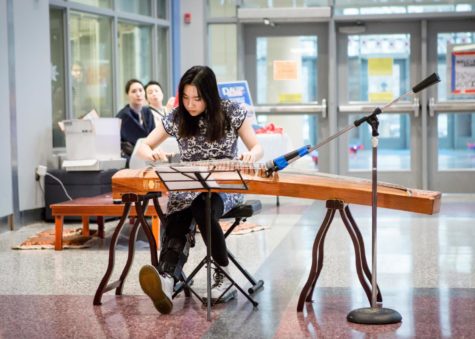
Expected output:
(429, 81)
(283, 161)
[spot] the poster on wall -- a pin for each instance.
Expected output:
(461, 69)
(237, 91)
(285, 70)
(380, 79)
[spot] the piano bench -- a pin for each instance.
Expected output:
(245, 210)
(99, 206)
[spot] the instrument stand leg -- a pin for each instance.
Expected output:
(103, 285)
(359, 239)
(317, 257)
(140, 203)
(318, 252)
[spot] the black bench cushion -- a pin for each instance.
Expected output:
(244, 210)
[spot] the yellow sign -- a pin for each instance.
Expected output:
(286, 70)
(380, 97)
(380, 80)
(380, 66)
(290, 98)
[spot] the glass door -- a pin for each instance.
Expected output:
(451, 119)
(286, 66)
(377, 63)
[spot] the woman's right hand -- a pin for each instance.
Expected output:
(158, 155)
(146, 152)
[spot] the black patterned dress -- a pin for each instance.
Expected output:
(197, 148)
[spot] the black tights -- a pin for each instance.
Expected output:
(177, 225)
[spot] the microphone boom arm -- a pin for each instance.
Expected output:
(283, 161)
(429, 81)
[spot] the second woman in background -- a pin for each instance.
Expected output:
(137, 119)
(154, 96)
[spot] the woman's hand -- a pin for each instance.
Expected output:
(255, 151)
(247, 157)
(158, 155)
(148, 148)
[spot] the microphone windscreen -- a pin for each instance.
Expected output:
(429, 81)
(269, 164)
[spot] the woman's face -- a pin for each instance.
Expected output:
(136, 95)
(154, 95)
(194, 104)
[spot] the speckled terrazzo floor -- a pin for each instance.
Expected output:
(426, 271)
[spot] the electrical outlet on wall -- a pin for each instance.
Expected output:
(40, 172)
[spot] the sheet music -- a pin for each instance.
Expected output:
(183, 177)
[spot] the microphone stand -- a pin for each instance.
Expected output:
(376, 314)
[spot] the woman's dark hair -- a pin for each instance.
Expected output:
(150, 83)
(130, 83)
(203, 78)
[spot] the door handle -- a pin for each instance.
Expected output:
(431, 107)
(324, 108)
(416, 106)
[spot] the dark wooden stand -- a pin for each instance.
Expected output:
(141, 203)
(362, 268)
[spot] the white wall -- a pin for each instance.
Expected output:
(193, 35)
(6, 203)
(33, 95)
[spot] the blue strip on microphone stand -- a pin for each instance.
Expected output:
(282, 162)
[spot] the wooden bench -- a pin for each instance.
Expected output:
(99, 206)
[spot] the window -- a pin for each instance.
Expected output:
(222, 8)
(58, 78)
(96, 3)
(223, 51)
(162, 62)
(135, 54)
(91, 64)
(143, 7)
(162, 9)
(85, 73)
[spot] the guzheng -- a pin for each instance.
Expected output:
(310, 185)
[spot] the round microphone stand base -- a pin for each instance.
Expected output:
(374, 316)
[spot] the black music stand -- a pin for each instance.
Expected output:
(185, 177)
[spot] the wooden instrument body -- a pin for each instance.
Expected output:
(311, 186)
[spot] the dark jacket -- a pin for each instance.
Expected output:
(131, 130)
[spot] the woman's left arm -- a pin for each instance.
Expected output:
(248, 136)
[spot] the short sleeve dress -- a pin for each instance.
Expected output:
(197, 148)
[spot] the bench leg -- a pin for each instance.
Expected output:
(100, 226)
(58, 232)
(156, 229)
(85, 225)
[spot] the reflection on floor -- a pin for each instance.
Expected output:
(426, 271)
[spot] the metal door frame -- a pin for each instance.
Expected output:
(411, 177)
(449, 181)
(250, 32)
